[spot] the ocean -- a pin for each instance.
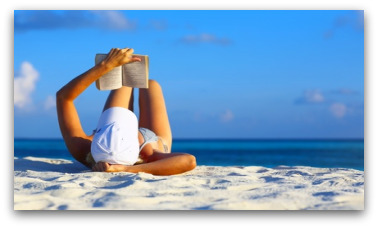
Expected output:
(230, 152)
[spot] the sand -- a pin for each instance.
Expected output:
(57, 184)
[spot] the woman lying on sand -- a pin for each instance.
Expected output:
(120, 143)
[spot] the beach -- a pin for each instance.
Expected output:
(59, 184)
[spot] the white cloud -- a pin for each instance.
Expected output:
(50, 102)
(24, 85)
(352, 19)
(227, 116)
(311, 97)
(114, 20)
(160, 25)
(338, 110)
(344, 91)
(205, 38)
(71, 19)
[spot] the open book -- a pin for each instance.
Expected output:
(133, 74)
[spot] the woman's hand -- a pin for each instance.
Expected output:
(106, 167)
(117, 57)
(101, 167)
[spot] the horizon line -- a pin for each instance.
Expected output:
(228, 139)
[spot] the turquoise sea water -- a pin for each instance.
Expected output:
(268, 153)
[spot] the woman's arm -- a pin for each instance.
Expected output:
(78, 143)
(116, 57)
(158, 164)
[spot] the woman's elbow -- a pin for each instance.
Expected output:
(59, 95)
(62, 95)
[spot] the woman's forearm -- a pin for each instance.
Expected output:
(77, 85)
(116, 57)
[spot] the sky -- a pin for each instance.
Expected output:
(225, 74)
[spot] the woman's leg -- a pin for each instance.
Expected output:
(153, 113)
(122, 97)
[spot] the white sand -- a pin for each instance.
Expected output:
(56, 184)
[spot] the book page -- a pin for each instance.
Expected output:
(112, 79)
(136, 74)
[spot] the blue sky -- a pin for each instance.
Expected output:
(225, 74)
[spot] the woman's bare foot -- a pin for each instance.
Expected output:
(106, 167)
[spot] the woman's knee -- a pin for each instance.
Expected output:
(153, 84)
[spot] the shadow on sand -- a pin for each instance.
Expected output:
(49, 165)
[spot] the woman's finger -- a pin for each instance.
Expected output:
(135, 59)
(130, 50)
